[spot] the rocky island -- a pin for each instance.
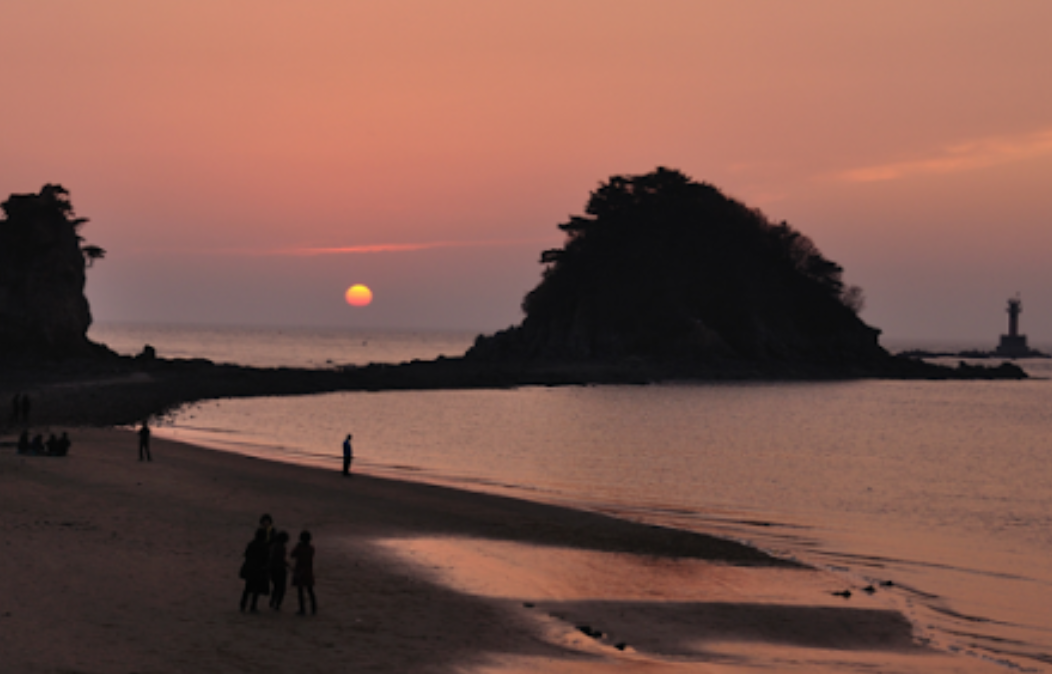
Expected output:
(678, 279)
(663, 278)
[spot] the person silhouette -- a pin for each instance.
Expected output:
(144, 442)
(303, 572)
(279, 569)
(254, 571)
(23, 442)
(64, 444)
(26, 405)
(348, 455)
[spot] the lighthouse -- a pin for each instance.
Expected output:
(1013, 345)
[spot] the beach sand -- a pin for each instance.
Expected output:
(114, 565)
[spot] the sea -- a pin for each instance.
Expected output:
(937, 493)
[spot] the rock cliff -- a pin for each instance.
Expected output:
(43, 310)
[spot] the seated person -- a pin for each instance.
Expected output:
(63, 444)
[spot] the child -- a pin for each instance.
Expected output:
(303, 571)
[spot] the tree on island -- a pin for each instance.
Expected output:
(43, 310)
(665, 270)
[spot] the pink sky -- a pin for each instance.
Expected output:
(432, 148)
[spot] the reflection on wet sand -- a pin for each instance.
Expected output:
(618, 612)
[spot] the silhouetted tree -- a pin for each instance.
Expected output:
(92, 253)
(664, 267)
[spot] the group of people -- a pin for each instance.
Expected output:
(53, 446)
(266, 566)
(37, 446)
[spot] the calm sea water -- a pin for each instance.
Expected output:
(283, 347)
(942, 488)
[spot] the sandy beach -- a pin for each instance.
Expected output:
(116, 565)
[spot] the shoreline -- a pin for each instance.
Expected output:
(120, 390)
(139, 563)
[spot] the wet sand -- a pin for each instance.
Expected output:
(113, 565)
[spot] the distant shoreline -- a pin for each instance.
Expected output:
(973, 354)
(121, 390)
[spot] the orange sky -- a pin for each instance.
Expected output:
(437, 145)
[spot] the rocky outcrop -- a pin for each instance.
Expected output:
(673, 275)
(43, 310)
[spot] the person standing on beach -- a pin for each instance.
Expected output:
(144, 442)
(254, 571)
(303, 572)
(25, 408)
(279, 569)
(348, 455)
(266, 525)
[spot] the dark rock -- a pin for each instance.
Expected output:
(43, 310)
(588, 631)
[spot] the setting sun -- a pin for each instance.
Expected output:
(359, 295)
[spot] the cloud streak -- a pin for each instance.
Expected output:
(369, 249)
(968, 156)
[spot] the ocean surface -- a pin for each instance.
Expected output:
(943, 489)
(283, 347)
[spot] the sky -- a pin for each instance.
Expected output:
(246, 162)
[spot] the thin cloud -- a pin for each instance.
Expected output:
(367, 249)
(967, 156)
(394, 247)
(357, 250)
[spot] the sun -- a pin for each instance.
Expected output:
(359, 295)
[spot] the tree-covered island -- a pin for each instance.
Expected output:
(671, 274)
(666, 278)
